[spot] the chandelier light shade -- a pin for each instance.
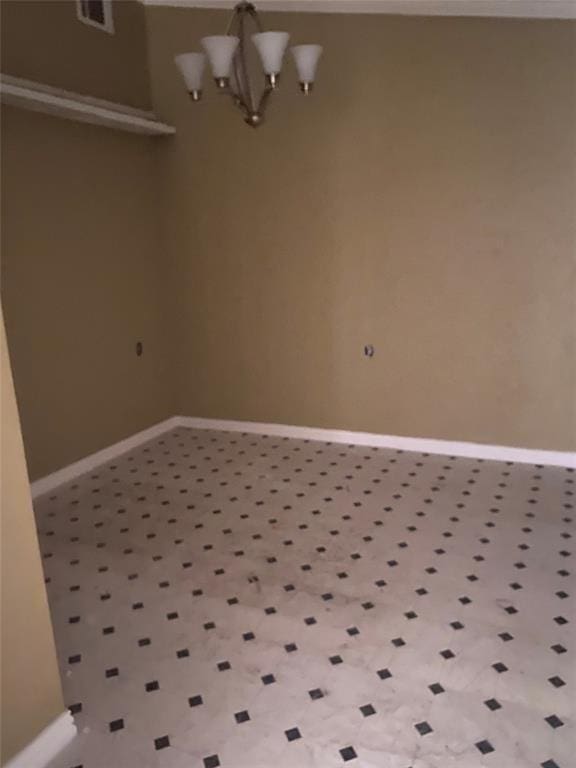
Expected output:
(191, 66)
(220, 50)
(227, 56)
(271, 47)
(306, 58)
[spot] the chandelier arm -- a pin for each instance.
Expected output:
(254, 15)
(266, 93)
(247, 93)
(234, 27)
(240, 104)
(233, 19)
(237, 97)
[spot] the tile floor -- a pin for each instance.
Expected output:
(223, 599)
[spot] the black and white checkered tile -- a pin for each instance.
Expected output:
(224, 599)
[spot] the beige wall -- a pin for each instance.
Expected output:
(422, 201)
(82, 283)
(43, 40)
(31, 695)
(82, 272)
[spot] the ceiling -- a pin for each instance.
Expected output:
(551, 9)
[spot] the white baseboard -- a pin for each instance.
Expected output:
(46, 745)
(417, 444)
(48, 483)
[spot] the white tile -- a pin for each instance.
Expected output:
(167, 558)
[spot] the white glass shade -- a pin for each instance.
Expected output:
(220, 50)
(191, 66)
(271, 47)
(306, 59)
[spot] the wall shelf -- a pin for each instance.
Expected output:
(38, 97)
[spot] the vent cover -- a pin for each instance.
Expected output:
(96, 13)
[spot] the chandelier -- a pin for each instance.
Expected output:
(227, 56)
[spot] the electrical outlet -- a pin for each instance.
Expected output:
(369, 350)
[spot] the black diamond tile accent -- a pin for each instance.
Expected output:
(162, 742)
(195, 701)
(384, 674)
(116, 725)
(484, 746)
(268, 679)
(212, 761)
(153, 685)
(556, 681)
(242, 717)
(335, 660)
(493, 704)
(292, 734)
(500, 667)
(456, 625)
(367, 710)
(554, 721)
(436, 688)
(423, 728)
(316, 693)
(348, 753)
